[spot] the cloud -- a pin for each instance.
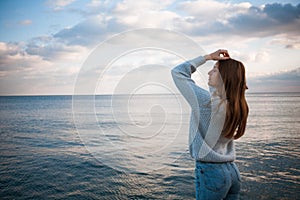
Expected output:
(206, 18)
(54, 60)
(211, 10)
(145, 14)
(288, 41)
(283, 13)
(55, 51)
(262, 56)
(197, 18)
(24, 73)
(143, 5)
(25, 22)
(15, 61)
(91, 31)
(59, 4)
(285, 81)
(266, 21)
(93, 8)
(117, 18)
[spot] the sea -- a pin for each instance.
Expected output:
(136, 147)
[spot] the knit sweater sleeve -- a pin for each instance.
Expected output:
(181, 74)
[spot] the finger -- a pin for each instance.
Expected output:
(223, 54)
(226, 54)
(223, 51)
(224, 57)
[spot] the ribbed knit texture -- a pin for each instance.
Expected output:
(207, 117)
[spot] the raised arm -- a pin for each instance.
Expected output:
(182, 78)
(181, 74)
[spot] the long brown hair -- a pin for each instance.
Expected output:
(234, 79)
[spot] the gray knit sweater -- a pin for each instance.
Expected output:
(206, 143)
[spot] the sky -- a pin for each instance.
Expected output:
(45, 44)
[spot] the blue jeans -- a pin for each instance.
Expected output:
(216, 181)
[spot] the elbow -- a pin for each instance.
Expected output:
(174, 72)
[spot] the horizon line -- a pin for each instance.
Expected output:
(124, 94)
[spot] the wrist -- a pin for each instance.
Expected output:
(196, 62)
(207, 57)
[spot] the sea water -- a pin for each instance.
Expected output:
(51, 147)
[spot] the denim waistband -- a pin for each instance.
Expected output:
(205, 162)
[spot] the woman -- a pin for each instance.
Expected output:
(218, 117)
